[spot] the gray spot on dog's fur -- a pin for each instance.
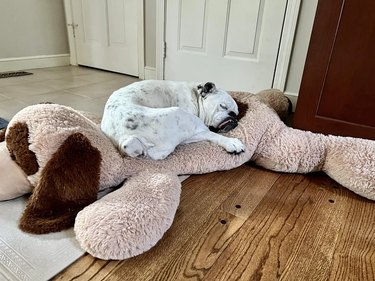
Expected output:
(131, 126)
(132, 123)
(155, 120)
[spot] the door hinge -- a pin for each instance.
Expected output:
(74, 26)
(165, 50)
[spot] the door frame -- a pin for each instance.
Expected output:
(72, 42)
(285, 49)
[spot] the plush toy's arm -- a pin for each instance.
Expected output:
(277, 101)
(130, 220)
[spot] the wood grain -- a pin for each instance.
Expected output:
(253, 224)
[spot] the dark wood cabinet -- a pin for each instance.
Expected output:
(337, 94)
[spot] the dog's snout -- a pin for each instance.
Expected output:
(232, 114)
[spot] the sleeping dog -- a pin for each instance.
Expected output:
(151, 118)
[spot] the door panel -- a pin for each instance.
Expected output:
(231, 42)
(107, 34)
(242, 28)
(336, 95)
(192, 32)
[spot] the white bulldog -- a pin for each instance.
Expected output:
(151, 118)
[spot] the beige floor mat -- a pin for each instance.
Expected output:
(32, 257)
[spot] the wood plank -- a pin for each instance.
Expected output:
(354, 256)
(289, 236)
(250, 191)
(87, 267)
(200, 252)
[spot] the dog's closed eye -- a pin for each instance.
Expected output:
(223, 106)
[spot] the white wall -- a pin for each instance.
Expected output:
(32, 28)
(300, 46)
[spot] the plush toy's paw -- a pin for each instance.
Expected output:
(234, 146)
(351, 162)
(130, 220)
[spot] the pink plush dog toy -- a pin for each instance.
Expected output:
(63, 159)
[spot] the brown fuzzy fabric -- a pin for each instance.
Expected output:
(18, 145)
(68, 183)
(242, 108)
(2, 134)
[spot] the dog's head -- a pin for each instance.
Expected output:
(219, 108)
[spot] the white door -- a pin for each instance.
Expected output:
(233, 43)
(106, 34)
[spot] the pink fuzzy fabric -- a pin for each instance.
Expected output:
(132, 219)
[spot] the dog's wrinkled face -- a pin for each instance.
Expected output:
(220, 109)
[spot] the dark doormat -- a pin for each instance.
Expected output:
(3, 123)
(14, 74)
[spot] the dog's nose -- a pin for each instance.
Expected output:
(232, 114)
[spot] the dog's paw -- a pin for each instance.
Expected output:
(234, 146)
(134, 146)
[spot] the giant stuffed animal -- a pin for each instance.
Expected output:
(61, 157)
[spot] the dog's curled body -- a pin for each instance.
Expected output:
(152, 117)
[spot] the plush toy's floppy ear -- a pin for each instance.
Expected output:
(2, 135)
(68, 183)
(18, 146)
(242, 108)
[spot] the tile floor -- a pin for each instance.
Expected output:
(82, 88)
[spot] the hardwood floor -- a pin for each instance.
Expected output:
(252, 224)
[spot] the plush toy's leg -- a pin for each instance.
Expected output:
(131, 220)
(284, 149)
(351, 162)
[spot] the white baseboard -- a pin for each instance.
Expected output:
(293, 98)
(150, 73)
(22, 63)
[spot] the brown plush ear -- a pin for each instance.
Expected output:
(2, 134)
(18, 146)
(68, 183)
(242, 109)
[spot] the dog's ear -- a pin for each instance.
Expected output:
(208, 88)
